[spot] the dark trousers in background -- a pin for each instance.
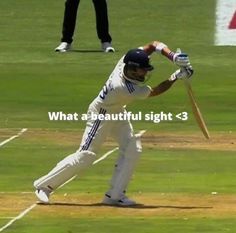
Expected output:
(70, 15)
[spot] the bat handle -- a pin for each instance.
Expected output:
(178, 50)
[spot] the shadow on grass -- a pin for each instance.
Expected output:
(85, 51)
(137, 206)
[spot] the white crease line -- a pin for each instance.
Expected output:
(139, 134)
(21, 215)
(13, 137)
(72, 178)
(105, 155)
(95, 162)
(16, 192)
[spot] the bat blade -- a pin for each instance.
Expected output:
(196, 111)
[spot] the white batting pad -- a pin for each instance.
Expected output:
(125, 168)
(65, 170)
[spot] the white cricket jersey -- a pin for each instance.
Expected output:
(118, 92)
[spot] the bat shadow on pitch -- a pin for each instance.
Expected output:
(137, 206)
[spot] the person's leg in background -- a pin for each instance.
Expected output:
(69, 22)
(102, 25)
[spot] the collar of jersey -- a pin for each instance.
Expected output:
(132, 80)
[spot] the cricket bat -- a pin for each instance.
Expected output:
(196, 111)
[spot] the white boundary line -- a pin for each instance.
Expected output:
(21, 215)
(13, 137)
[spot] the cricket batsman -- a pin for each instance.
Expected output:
(125, 84)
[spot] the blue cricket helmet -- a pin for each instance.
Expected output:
(138, 58)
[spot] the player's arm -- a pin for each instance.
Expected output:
(180, 59)
(184, 72)
(161, 88)
(157, 46)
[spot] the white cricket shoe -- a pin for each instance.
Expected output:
(43, 195)
(124, 201)
(107, 47)
(63, 47)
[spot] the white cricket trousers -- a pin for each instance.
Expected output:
(129, 149)
(95, 133)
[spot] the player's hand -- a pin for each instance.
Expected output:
(181, 59)
(183, 72)
(188, 69)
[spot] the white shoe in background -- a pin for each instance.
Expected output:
(107, 47)
(63, 47)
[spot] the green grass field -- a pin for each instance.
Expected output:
(185, 183)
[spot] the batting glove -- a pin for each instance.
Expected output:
(188, 69)
(183, 72)
(181, 59)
